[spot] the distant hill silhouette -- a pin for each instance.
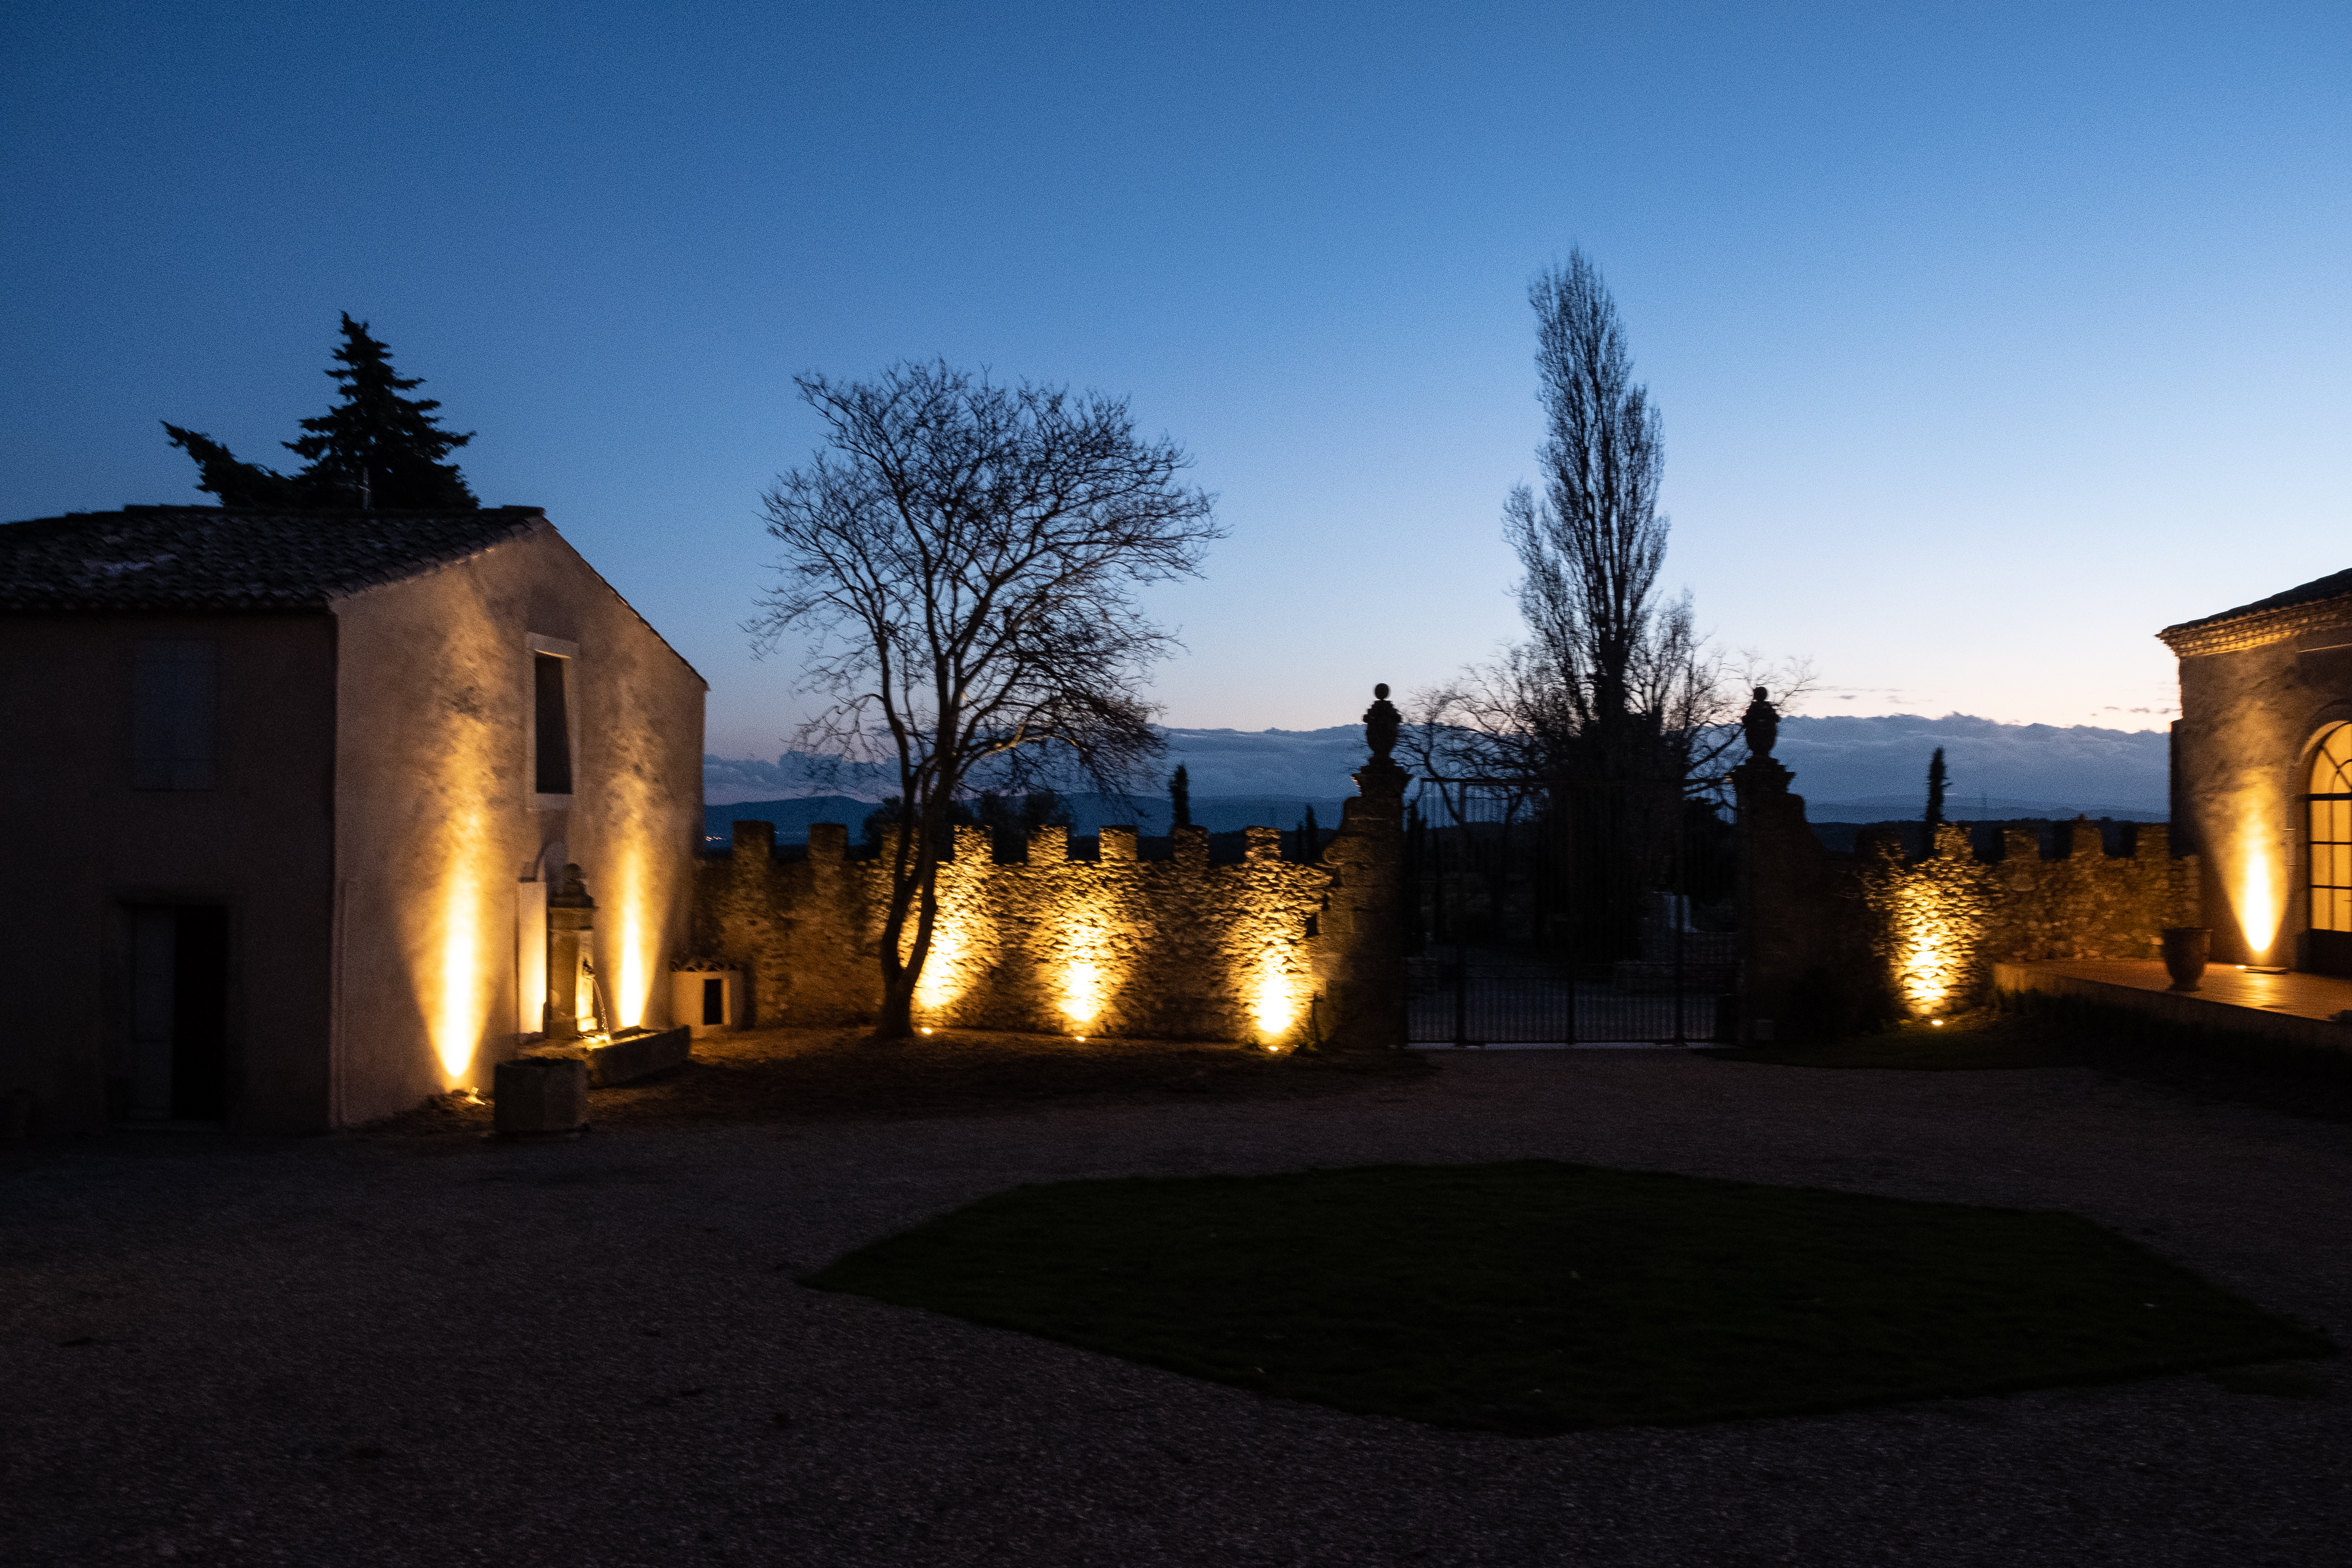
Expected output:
(1842, 765)
(1089, 813)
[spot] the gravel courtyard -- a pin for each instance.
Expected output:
(418, 1350)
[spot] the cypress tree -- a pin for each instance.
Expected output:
(1936, 781)
(1314, 835)
(1179, 798)
(375, 450)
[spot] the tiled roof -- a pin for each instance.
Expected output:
(209, 558)
(2322, 601)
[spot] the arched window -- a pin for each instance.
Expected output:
(2331, 852)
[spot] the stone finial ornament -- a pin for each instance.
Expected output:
(1381, 722)
(1761, 724)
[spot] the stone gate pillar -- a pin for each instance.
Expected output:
(1364, 973)
(1792, 924)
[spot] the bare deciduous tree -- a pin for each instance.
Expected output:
(963, 560)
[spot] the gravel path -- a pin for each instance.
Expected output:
(422, 1350)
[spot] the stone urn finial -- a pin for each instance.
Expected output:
(1381, 722)
(1761, 723)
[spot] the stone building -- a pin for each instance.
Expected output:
(290, 791)
(2263, 773)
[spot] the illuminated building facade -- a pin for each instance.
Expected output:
(2263, 773)
(294, 792)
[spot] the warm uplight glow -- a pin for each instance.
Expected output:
(1938, 1022)
(1926, 969)
(2259, 898)
(629, 996)
(459, 1010)
(1082, 992)
(1273, 1001)
(942, 981)
(626, 967)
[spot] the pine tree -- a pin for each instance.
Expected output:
(1936, 779)
(379, 450)
(1179, 798)
(375, 450)
(235, 483)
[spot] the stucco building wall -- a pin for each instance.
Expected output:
(80, 846)
(325, 843)
(438, 827)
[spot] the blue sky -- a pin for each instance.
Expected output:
(1990, 338)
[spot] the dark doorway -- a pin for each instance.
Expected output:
(179, 1009)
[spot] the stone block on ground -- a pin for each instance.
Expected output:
(540, 1094)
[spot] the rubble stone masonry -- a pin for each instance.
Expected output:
(1821, 930)
(1267, 950)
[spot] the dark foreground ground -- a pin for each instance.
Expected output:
(418, 1346)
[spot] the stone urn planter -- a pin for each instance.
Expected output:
(2185, 948)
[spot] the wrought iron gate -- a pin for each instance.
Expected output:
(1565, 915)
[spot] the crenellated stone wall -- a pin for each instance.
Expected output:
(2082, 902)
(1268, 950)
(1829, 941)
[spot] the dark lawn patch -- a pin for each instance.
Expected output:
(1535, 1297)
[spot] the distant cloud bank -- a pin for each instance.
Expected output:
(1879, 764)
(2012, 769)
(1310, 764)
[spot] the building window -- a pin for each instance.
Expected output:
(553, 748)
(2330, 805)
(173, 715)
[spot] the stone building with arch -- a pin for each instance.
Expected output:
(2262, 774)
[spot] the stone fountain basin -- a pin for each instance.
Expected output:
(628, 1056)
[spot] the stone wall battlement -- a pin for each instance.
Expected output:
(1830, 941)
(1115, 946)
(1940, 922)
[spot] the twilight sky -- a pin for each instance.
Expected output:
(1990, 338)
